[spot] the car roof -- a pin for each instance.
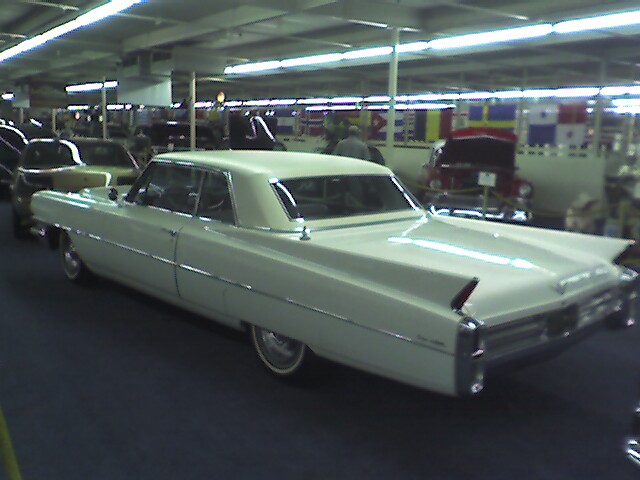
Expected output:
(277, 164)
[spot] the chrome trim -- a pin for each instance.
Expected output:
(296, 303)
(470, 348)
(633, 451)
(190, 268)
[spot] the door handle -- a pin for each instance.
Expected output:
(171, 232)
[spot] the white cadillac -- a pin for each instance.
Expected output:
(319, 255)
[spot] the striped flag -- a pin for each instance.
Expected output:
(431, 125)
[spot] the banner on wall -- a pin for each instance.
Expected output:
(431, 125)
(557, 124)
(494, 116)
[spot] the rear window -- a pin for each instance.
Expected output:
(47, 155)
(104, 154)
(342, 196)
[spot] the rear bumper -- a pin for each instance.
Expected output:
(488, 351)
(474, 206)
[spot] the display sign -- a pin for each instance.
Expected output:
(487, 179)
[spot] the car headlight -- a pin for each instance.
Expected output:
(435, 183)
(525, 190)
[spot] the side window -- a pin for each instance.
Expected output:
(171, 187)
(47, 155)
(215, 201)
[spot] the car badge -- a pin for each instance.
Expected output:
(561, 287)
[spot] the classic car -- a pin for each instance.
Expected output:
(633, 442)
(459, 168)
(68, 165)
(13, 140)
(174, 135)
(333, 257)
(251, 132)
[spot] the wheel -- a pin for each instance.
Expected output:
(72, 265)
(281, 356)
(19, 230)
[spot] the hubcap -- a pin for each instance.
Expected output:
(70, 259)
(280, 351)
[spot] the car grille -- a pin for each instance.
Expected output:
(529, 332)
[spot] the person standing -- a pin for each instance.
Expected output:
(353, 146)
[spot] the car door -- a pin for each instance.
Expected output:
(204, 245)
(148, 225)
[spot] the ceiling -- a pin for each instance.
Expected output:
(207, 35)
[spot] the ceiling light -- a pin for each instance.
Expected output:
(368, 52)
(378, 98)
(92, 16)
(311, 60)
(8, 96)
(253, 67)
(507, 94)
(412, 47)
(601, 22)
(89, 87)
(475, 95)
(620, 90)
(539, 93)
(346, 99)
(496, 36)
(368, 24)
(577, 92)
(312, 101)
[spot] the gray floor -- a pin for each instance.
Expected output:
(103, 383)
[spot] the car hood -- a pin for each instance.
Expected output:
(479, 148)
(514, 264)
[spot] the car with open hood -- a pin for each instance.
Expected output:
(66, 165)
(333, 257)
(470, 159)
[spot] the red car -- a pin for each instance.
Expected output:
(473, 174)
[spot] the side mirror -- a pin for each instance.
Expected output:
(113, 194)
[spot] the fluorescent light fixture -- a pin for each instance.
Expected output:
(577, 92)
(311, 60)
(378, 98)
(313, 101)
(496, 36)
(601, 22)
(253, 67)
(379, 107)
(77, 108)
(257, 103)
(412, 47)
(368, 53)
(35, 122)
(508, 94)
(233, 103)
(626, 102)
(475, 95)
(619, 90)
(282, 101)
(99, 13)
(431, 97)
(539, 93)
(368, 24)
(333, 107)
(346, 99)
(8, 96)
(205, 104)
(424, 106)
(626, 110)
(115, 107)
(89, 87)
(176, 105)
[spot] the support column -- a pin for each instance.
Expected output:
(598, 112)
(192, 111)
(104, 108)
(53, 120)
(393, 92)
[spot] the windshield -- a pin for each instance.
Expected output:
(342, 196)
(102, 154)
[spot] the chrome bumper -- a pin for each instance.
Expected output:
(484, 351)
(472, 206)
(633, 442)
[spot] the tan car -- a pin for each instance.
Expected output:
(66, 165)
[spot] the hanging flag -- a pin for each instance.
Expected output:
(313, 123)
(286, 124)
(379, 125)
(501, 116)
(543, 120)
(431, 125)
(557, 124)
